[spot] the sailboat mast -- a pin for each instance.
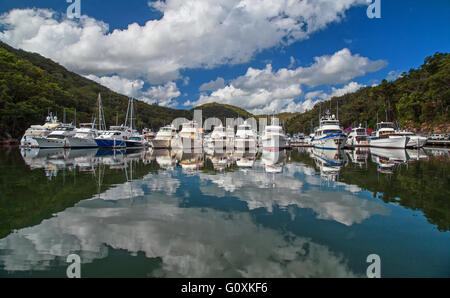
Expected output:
(128, 111)
(101, 116)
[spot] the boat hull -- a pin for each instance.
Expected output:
(107, 143)
(134, 144)
(161, 144)
(188, 144)
(393, 142)
(332, 142)
(52, 143)
(416, 142)
(81, 143)
(274, 143)
(28, 142)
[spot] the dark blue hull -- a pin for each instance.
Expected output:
(110, 143)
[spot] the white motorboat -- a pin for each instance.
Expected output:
(274, 138)
(386, 137)
(84, 136)
(190, 137)
(39, 131)
(221, 138)
(358, 137)
(329, 135)
(246, 138)
(164, 137)
(59, 138)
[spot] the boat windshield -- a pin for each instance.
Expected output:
(385, 125)
(361, 132)
(331, 131)
(57, 137)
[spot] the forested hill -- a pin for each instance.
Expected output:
(418, 100)
(30, 85)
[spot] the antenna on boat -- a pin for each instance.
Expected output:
(75, 118)
(64, 118)
(337, 109)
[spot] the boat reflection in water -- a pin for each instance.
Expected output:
(245, 159)
(191, 163)
(359, 156)
(167, 159)
(273, 161)
(220, 161)
(330, 162)
(388, 159)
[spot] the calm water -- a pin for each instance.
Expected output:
(302, 213)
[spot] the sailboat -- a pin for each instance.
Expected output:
(135, 139)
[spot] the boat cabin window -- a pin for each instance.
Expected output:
(331, 131)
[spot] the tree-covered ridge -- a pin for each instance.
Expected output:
(30, 85)
(222, 111)
(419, 100)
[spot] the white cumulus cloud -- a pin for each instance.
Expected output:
(190, 34)
(264, 91)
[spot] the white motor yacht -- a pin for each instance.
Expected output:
(221, 138)
(246, 137)
(190, 137)
(358, 137)
(59, 138)
(84, 136)
(329, 135)
(39, 131)
(164, 137)
(386, 137)
(274, 138)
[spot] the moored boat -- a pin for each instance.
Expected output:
(386, 137)
(329, 135)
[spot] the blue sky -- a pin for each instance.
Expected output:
(190, 45)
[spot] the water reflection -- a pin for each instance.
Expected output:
(330, 162)
(233, 214)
